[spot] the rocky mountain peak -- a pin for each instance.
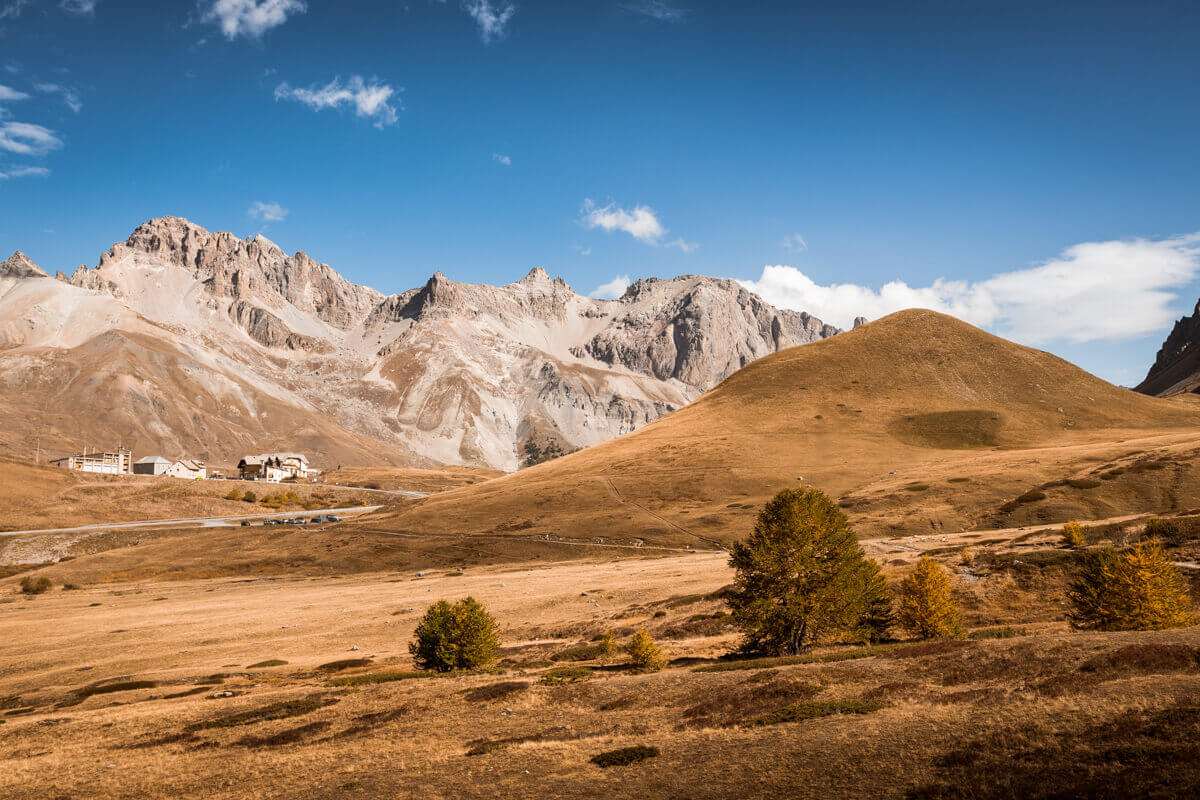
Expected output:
(1176, 368)
(19, 265)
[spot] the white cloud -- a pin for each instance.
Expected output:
(686, 247)
(249, 18)
(267, 212)
(500, 159)
(583, 251)
(794, 242)
(611, 290)
(490, 19)
(657, 9)
(1095, 291)
(7, 93)
(368, 99)
(70, 96)
(641, 223)
(27, 139)
(81, 7)
(13, 9)
(24, 172)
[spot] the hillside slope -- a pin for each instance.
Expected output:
(918, 421)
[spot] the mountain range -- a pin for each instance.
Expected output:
(185, 341)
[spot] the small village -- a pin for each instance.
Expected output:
(265, 467)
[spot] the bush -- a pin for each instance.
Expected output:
(1133, 589)
(459, 636)
(624, 756)
(250, 497)
(32, 585)
(1083, 483)
(802, 576)
(1172, 532)
(644, 653)
(234, 494)
(608, 644)
(1072, 535)
(926, 608)
(1032, 496)
(815, 709)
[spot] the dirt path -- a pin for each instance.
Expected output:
(204, 522)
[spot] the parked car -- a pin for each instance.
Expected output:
(332, 518)
(317, 518)
(246, 523)
(271, 522)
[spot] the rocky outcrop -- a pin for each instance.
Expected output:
(697, 330)
(448, 372)
(18, 265)
(1176, 369)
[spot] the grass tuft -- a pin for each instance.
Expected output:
(624, 756)
(815, 709)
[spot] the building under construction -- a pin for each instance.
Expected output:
(117, 462)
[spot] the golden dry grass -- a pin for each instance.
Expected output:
(297, 729)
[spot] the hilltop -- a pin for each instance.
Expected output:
(918, 422)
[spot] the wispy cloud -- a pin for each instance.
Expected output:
(1094, 291)
(7, 93)
(611, 290)
(583, 251)
(81, 7)
(372, 100)
(70, 96)
(249, 18)
(12, 9)
(656, 9)
(27, 139)
(267, 212)
(794, 242)
(24, 172)
(491, 19)
(686, 247)
(501, 159)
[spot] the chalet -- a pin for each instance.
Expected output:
(151, 465)
(118, 462)
(187, 468)
(275, 467)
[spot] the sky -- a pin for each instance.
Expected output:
(1029, 167)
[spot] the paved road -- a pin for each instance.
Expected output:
(204, 522)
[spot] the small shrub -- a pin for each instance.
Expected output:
(1032, 496)
(1003, 632)
(372, 678)
(1082, 483)
(1112, 474)
(608, 644)
(70, 587)
(1133, 589)
(109, 688)
(234, 494)
(250, 497)
(1172, 532)
(926, 607)
(916, 487)
(1073, 535)
(32, 585)
(624, 756)
(659, 614)
(560, 675)
(273, 662)
(496, 691)
(966, 557)
(959, 480)
(644, 653)
(815, 709)
(458, 636)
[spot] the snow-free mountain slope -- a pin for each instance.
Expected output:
(209, 344)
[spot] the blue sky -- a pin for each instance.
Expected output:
(1031, 167)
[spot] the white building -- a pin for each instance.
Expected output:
(151, 465)
(275, 467)
(118, 462)
(187, 468)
